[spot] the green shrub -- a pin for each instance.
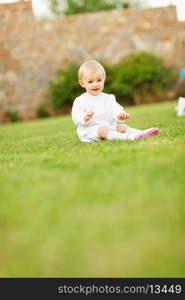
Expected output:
(139, 76)
(83, 6)
(42, 111)
(13, 116)
(134, 79)
(182, 92)
(66, 88)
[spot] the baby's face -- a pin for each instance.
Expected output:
(93, 82)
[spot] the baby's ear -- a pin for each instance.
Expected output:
(81, 82)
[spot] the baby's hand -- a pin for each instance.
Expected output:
(88, 116)
(123, 116)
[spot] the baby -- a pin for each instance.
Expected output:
(97, 114)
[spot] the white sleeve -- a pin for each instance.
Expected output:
(78, 113)
(117, 108)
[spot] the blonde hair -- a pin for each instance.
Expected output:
(91, 66)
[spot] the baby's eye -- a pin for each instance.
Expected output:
(99, 80)
(90, 81)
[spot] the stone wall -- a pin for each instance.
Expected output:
(32, 50)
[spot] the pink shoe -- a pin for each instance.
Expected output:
(148, 132)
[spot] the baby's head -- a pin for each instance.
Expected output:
(92, 76)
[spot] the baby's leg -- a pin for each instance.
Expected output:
(121, 128)
(142, 133)
(148, 132)
(105, 134)
(138, 132)
(129, 134)
(127, 129)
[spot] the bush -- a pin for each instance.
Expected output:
(139, 76)
(42, 111)
(83, 6)
(133, 80)
(182, 92)
(66, 88)
(12, 116)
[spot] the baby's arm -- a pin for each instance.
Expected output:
(79, 114)
(119, 112)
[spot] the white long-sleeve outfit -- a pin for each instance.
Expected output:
(105, 109)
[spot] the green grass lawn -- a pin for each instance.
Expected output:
(108, 209)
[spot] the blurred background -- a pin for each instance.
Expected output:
(71, 209)
(43, 42)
